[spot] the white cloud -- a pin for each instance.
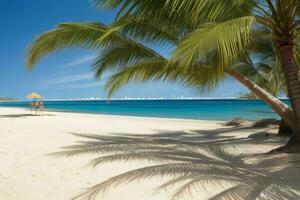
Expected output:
(84, 85)
(75, 81)
(79, 61)
(69, 79)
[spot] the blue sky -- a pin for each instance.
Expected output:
(67, 74)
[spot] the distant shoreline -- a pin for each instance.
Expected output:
(140, 99)
(7, 99)
(203, 109)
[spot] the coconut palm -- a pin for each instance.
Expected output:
(137, 62)
(268, 77)
(265, 70)
(199, 159)
(230, 35)
(221, 28)
(152, 67)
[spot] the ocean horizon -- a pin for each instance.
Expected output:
(202, 109)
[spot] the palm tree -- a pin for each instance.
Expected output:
(230, 36)
(135, 61)
(264, 69)
(269, 77)
(219, 28)
(152, 67)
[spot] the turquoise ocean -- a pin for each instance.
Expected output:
(216, 109)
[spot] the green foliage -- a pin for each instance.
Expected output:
(263, 68)
(131, 60)
(119, 55)
(127, 58)
(201, 32)
(147, 30)
(202, 77)
(226, 27)
(230, 39)
(192, 12)
(64, 36)
(221, 25)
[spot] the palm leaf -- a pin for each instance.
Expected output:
(126, 51)
(194, 11)
(64, 36)
(199, 76)
(229, 38)
(146, 30)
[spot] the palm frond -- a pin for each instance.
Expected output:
(64, 36)
(147, 30)
(229, 38)
(199, 76)
(194, 11)
(210, 10)
(119, 55)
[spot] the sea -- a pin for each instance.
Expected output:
(203, 109)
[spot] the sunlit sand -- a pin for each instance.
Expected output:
(27, 172)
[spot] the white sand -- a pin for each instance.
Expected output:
(27, 173)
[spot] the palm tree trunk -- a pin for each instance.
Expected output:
(278, 106)
(284, 129)
(291, 74)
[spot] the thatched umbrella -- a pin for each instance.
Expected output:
(35, 97)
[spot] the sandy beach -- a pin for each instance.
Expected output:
(28, 173)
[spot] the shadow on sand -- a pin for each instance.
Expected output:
(16, 116)
(210, 159)
(23, 115)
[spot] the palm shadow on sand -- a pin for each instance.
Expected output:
(24, 115)
(17, 115)
(211, 158)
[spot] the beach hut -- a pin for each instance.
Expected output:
(36, 101)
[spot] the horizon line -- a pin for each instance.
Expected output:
(140, 98)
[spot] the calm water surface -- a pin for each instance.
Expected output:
(188, 109)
